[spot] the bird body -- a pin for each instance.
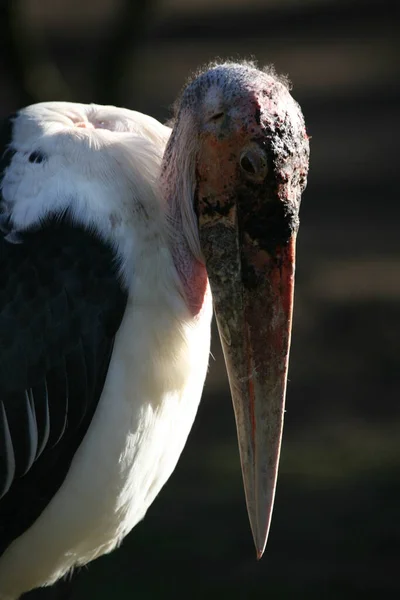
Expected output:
(153, 386)
(117, 239)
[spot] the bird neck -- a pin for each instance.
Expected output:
(191, 271)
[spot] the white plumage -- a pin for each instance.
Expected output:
(109, 177)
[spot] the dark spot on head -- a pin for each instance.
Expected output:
(36, 157)
(270, 228)
(266, 219)
(217, 116)
(211, 205)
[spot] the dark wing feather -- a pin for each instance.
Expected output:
(7, 462)
(42, 412)
(61, 304)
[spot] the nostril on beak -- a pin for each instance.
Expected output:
(253, 162)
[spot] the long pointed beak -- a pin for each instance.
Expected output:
(253, 299)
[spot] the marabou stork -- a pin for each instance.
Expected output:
(112, 253)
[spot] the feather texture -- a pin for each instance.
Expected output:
(61, 305)
(104, 359)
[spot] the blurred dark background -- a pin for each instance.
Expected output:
(336, 527)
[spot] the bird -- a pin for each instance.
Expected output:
(120, 237)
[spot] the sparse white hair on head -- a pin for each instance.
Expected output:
(178, 181)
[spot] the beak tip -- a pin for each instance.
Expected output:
(260, 553)
(260, 543)
(260, 515)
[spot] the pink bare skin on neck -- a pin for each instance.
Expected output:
(193, 275)
(192, 272)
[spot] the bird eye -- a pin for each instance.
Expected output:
(36, 157)
(247, 165)
(217, 116)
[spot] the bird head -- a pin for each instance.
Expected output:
(237, 161)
